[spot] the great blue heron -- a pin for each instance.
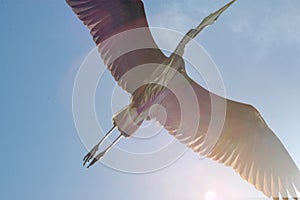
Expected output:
(245, 143)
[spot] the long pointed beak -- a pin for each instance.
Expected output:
(221, 10)
(212, 18)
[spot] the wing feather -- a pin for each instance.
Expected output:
(106, 19)
(246, 144)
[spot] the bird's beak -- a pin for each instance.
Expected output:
(212, 18)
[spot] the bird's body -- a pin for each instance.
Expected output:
(245, 142)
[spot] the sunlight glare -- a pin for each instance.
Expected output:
(210, 195)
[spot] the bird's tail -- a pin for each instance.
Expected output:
(127, 121)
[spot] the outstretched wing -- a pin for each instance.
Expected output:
(246, 143)
(120, 31)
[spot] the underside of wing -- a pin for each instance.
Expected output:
(120, 31)
(250, 147)
(245, 142)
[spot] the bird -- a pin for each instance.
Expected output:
(245, 142)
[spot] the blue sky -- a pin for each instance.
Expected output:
(255, 46)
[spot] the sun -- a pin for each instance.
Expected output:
(210, 195)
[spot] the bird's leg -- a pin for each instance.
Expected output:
(91, 154)
(103, 152)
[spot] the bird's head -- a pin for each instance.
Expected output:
(213, 17)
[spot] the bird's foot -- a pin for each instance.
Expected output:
(90, 155)
(100, 155)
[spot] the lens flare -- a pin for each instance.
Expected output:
(210, 195)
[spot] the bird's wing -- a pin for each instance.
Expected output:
(246, 143)
(121, 52)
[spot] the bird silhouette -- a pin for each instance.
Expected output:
(244, 143)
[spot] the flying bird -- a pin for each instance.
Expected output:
(245, 142)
